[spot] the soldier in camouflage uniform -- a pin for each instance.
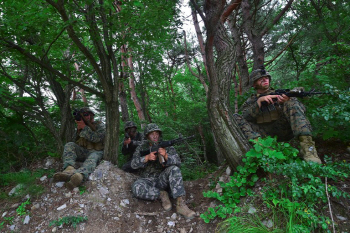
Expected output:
(157, 175)
(284, 118)
(130, 144)
(88, 148)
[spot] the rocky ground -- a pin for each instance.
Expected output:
(109, 206)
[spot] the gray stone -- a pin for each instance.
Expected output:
(341, 218)
(60, 184)
(251, 210)
(62, 207)
(15, 189)
(26, 220)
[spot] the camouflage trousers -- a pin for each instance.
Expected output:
(291, 122)
(149, 188)
(90, 158)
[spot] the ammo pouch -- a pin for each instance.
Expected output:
(89, 145)
(268, 114)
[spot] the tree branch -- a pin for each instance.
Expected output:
(278, 17)
(232, 6)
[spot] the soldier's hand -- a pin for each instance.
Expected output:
(282, 98)
(163, 153)
(127, 141)
(151, 156)
(267, 98)
(80, 124)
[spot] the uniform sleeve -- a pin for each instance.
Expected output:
(173, 157)
(138, 161)
(94, 136)
(250, 109)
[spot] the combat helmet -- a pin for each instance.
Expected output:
(152, 127)
(129, 124)
(256, 74)
(86, 109)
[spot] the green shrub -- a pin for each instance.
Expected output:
(69, 221)
(293, 186)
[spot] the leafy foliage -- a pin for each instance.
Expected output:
(69, 221)
(21, 210)
(292, 185)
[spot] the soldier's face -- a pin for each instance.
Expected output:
(153, 136)
(131, 131)
(262, 83)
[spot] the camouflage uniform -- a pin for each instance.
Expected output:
(156, 177)
(283, 120)
(129, 149)
(88, 148)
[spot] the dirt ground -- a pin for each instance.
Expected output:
(109, 206)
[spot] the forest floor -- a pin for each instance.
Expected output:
(109, 206)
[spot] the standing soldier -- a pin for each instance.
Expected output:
(131, 141)
(88, 148)
(157, 176)
(284, 118)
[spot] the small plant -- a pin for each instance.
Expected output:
(69, 221)
(21, 210)
(82, 189)
(7, 220)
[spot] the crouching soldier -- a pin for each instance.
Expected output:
(87, 148)
(131, 141)
(159, 172)
(284, 118)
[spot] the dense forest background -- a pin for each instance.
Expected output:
(132, 60)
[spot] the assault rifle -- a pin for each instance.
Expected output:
(164, 144)
(126, 136)
(78, 116)
(291, 93)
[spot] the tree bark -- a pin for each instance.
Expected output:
(230, 140)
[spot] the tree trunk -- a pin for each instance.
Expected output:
(230, 140)
(112, 126)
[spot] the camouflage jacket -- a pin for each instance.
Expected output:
(251, 111)
(92, 140)
(130, 148)
(153, 168)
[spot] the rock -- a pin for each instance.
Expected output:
(251, 210)
(228, 171)
(43, 178)
(267, 223)
(341, 218)
(35, 206)
(15, 189)
(26, 220)
(49, 162)
(62, 207)
(171, 223)
(173, 216)
(124, 202)
(60, 184)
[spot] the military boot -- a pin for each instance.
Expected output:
(164, 197)
(75, 181)
(64, 175)
(308, 150)
(181, 208)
